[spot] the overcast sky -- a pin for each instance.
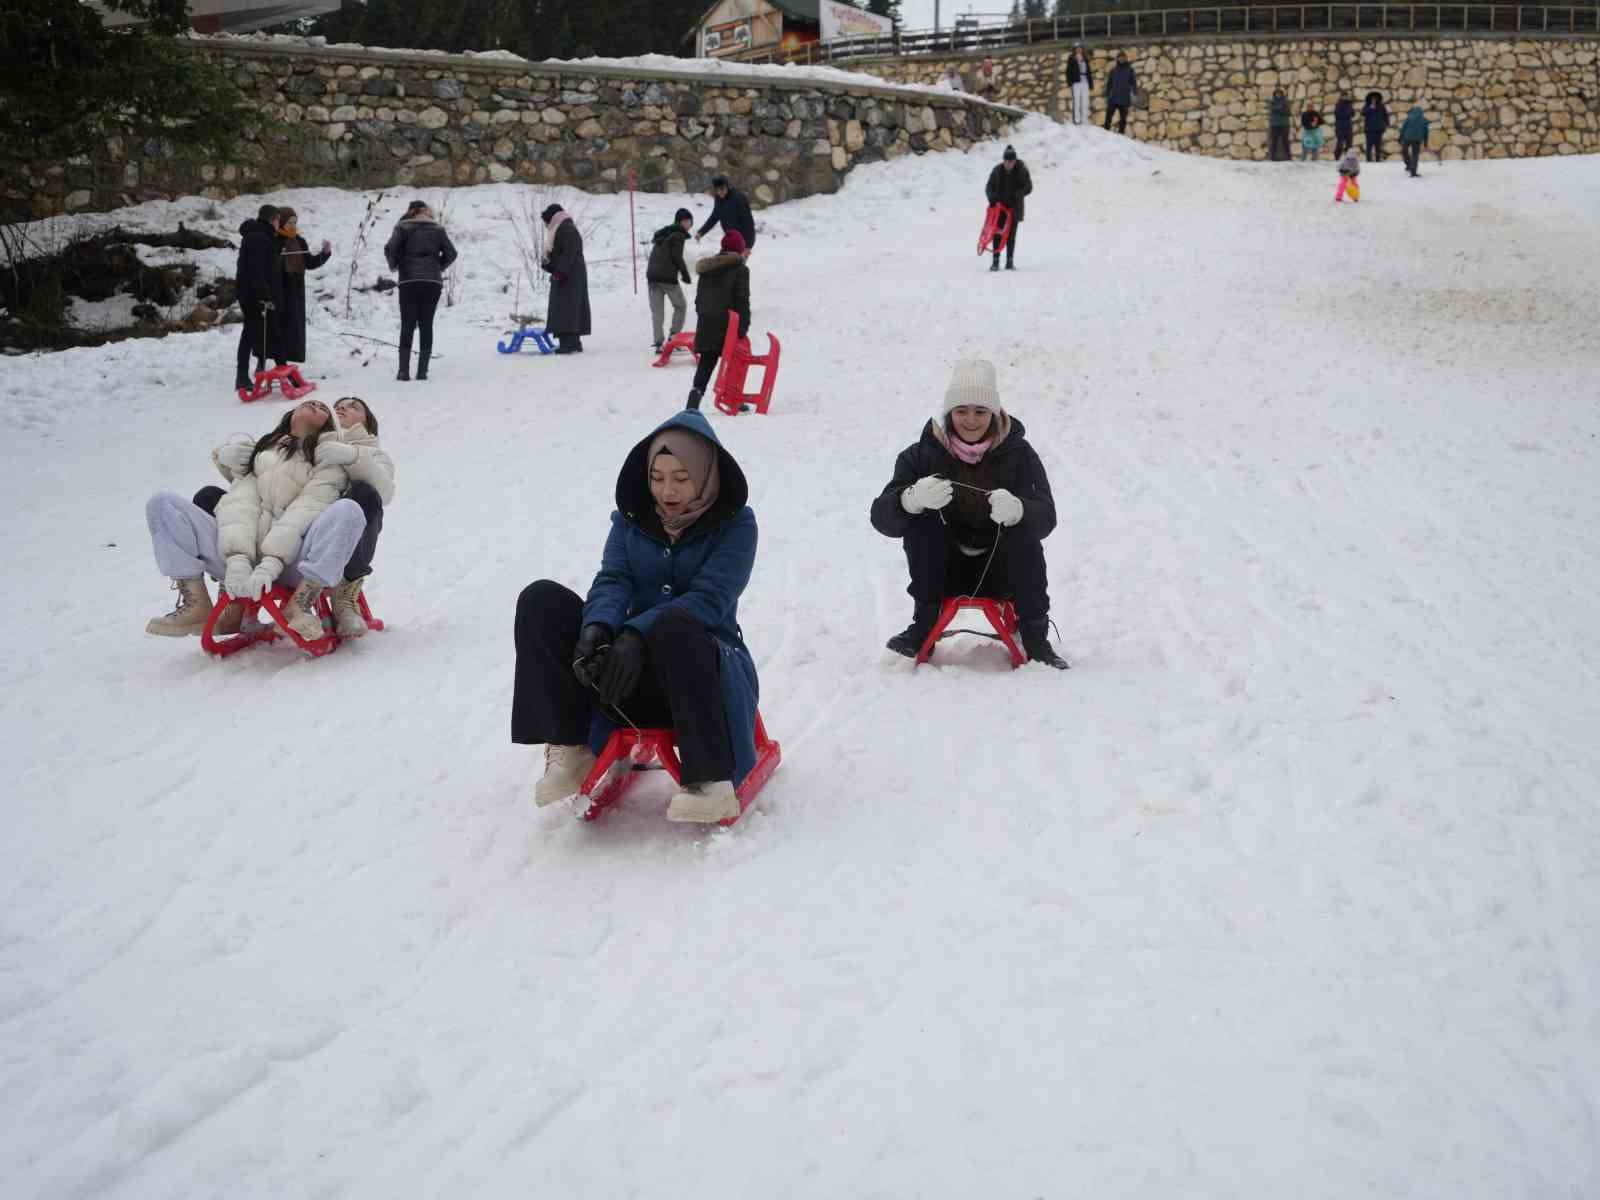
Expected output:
(918, 14)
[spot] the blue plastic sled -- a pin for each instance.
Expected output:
(539, 338)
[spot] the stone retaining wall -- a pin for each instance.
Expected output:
(365, 119)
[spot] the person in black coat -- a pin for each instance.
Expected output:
(294, 259)
(1374, 121)
(1009, 184)
(724, 287)
(1120, 85)
(662, 272)
(733, 210)
(568, 313)
(253, 288)
(1278, 118)
(420, 251)
(1344, 124)
(972, 506)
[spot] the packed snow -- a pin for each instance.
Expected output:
(1290, 887)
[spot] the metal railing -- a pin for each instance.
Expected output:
(1321, 19)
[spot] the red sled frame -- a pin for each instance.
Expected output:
(604, 785)
(678, 341)
(273, 602)
(997, 222)
(290, 382)
(1002, 615)
(735, 365)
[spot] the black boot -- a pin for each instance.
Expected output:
(1036, 644)
(995, 265)
(909, 640)
(1010, 266)
(694, 399)
(404, 373)
(243, 383)
(422, 367)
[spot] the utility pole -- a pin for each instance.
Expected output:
(936, 16)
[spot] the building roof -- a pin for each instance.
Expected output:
(797, 10)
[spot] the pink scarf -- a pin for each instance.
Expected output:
(970, 453)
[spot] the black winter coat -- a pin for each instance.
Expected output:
(1009, 187)
(1012, 465)
(733, 210)
(289, 296)
(1278, 114)
(1074, 75)
(666, 263)
(568, 311)
(1375, 118)
(1120, 84)
(258, 254)
(724, 284)
(1344, 117)
(419, 249)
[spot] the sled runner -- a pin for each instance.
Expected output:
(735, 365)
(272, 603)
(678, 341)
(997, 221)
(525, 332)
(630, 749)
(290, 382)
(1002, 615)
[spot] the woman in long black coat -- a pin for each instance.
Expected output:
(568, 315)
(724, 287)
(293, 259)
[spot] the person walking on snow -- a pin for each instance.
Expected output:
(1413, 137)
(1278, 117)
(1009, 184)
(1120, 85)
(1312, 134)
(1080, 78)
(971, 505)
(294, 259)
(1349, 182)
(567, 316)
(253, 276)
(732, 209)
(419, 251)
(657, 640)
(1374, 121)
(1344, 124)
(662, 272)
(724, 287)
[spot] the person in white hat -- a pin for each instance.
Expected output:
(971, 504)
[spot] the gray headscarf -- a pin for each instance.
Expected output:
(699, 458)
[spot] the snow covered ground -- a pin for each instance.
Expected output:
(1291, 887)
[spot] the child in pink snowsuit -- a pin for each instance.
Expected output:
(1349, 168)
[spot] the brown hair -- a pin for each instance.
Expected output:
(371, 418)
(286, 443)
(287, 216)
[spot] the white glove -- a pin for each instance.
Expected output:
(263, 577)
(1004, 508)
(237, 581)
(928, 492)
(235, 455)
(333, 453)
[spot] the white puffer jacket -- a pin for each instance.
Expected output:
(372, 465)
(265, 513)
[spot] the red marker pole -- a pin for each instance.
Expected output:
(633, 237)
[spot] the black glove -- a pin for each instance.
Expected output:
(593, 642)
(620, 668)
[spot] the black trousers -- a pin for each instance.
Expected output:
(417, 302)
(1121, 113)
(681, 685)
(1278, 145)
(940, 569)
(364, 494)
(1374, 147)
(252, 336)
(1341, 143)
(1410, 152)
(705, 368)
(1011, 242)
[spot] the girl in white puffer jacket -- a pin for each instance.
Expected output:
(283, 518)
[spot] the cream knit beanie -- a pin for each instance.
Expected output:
(972, 383)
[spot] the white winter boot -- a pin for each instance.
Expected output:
(300, 614)
(347, 619)
(565, 768)
(189, 616)
(704, 803)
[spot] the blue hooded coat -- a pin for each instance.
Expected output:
(643, 572)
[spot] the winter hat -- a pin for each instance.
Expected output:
(681, 215)
(1010, 152)
(549, 212)
(733, 242)
(972, 383)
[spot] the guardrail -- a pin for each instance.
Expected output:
(1327, 19)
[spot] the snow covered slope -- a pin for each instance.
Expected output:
(1291, 887)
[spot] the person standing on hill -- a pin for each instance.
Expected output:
(724, 287)
(1312, 134)
(1120, 85)
(986, 80)
(419, 251)
(294, 259)
(253, 288)
(1374, 121)
(1009, 184)
(1080, 78)
(1413, 137)
(567, 316)
(1278, 116)
(732, 209)
(1344, 124)
(662, 272)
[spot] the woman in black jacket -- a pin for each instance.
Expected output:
(420, 250)
(567, 316)
(972, 507)
(724, 286)
(294, 259)
(1374, 122)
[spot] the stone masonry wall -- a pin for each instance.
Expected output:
(366, 119)
(1486, 96)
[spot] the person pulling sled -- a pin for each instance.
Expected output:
(1009, 184)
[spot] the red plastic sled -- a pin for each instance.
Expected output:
(735, 365)
(273, 602)
(996, 222)
(290, 382)
(604, 785)
(678, 341)
(1002, 615)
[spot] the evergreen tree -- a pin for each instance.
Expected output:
(885, 8)
(1033, 9)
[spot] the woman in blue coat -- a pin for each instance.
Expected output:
(657, 640)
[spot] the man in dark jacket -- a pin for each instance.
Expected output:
(662, 272)
(1278, 119)
(253, 287)
(1120, 85)
(567, 315)
(1344, 124)
(724, 287)
(1009, 184)
(733, 210)
(1374, 121)
(1413, 137)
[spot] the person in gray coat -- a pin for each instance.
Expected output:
(418, 250)
(567, 317)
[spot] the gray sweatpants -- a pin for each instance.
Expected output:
(185, 541)
(660, 293)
